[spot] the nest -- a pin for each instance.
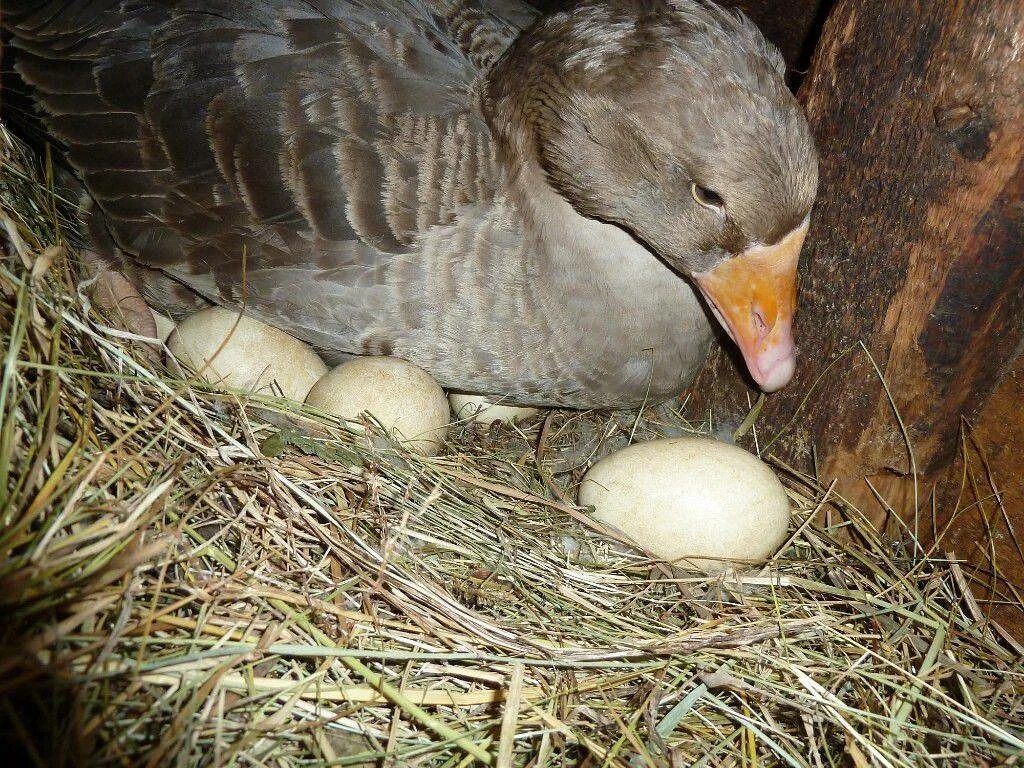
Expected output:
(187, 578)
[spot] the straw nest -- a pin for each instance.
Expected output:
(187, 579)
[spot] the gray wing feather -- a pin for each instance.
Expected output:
(287, 154)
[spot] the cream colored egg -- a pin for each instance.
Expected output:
(164, 325)
(244, 354)
(483, 411)
(693, 501)
(403, 398)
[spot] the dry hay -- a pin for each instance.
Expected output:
(187, 580)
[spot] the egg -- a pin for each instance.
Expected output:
(164, 325)
(244, 354)
(692, 501)
(403, 398)
(483, 411)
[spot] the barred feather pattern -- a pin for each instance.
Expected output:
(327, 166)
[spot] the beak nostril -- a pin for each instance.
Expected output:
(760, 322)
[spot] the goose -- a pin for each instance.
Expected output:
(552, 208)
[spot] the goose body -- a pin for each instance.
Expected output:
(514, 211)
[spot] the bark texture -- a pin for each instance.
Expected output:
(987, 527)
(917, 242)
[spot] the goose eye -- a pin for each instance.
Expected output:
(706, 197)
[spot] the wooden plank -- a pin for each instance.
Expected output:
(917, 243)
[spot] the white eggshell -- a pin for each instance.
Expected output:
(403, 398)
(481, 410)
(245, 354)
(693, 501)
(164, 325)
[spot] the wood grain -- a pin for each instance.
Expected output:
(916, 244)
(987, 530)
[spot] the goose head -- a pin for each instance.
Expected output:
(673, 121)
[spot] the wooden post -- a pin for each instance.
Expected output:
(916, 247)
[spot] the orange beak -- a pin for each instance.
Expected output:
(754, 297)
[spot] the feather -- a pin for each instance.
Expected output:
(370, 176)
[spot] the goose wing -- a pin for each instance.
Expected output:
(286, 154)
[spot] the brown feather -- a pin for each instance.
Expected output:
(497, 200)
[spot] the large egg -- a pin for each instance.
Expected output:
(164, 325)
(403, 398)
(245, 354)
(692, 501)
(483, 411)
